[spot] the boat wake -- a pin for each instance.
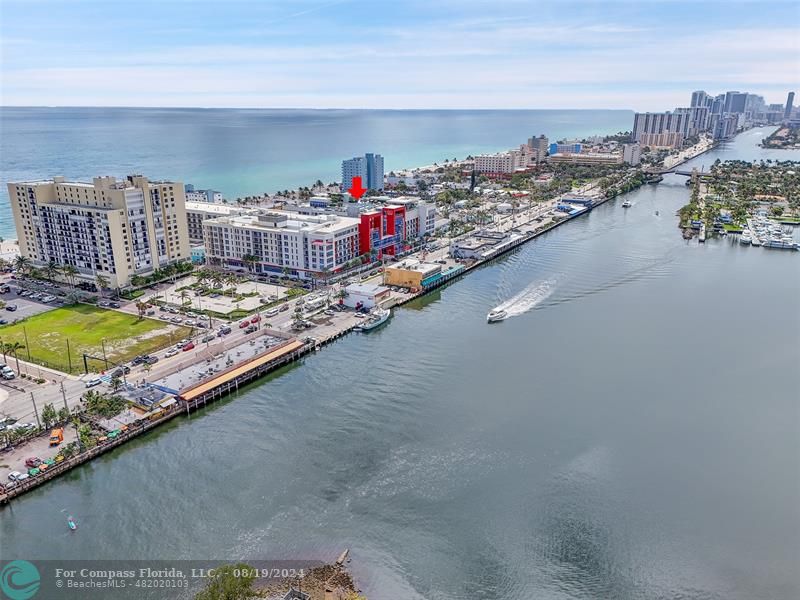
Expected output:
(527, 299)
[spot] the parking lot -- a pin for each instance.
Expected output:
(39, 447)
(25, 306)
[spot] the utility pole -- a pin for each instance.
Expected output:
(36, 412)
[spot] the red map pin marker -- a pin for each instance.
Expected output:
(356, 191)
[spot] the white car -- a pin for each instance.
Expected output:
(93, 382)
(7, 373)
(21, 426)
(171, 352)
(17, 476)
(272, 312)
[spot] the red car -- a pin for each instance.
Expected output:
(244, 324)
(33, 462)
(255, 319)
(187, 347)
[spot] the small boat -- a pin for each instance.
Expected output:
(496, 315)
(71, 523)
(657, 213)
(375, 320)
(627, 204)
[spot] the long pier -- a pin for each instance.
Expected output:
(229, 380)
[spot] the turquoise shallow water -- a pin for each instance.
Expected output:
(631, 434)
(244, 152)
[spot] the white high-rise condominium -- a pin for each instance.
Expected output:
(369, 167)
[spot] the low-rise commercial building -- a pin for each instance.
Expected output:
(364, 295)
(195, 195)
(587, 158)
(116, 229)
(411, 273)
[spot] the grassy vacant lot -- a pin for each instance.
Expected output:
(88, 329)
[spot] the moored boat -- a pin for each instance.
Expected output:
(375, 320)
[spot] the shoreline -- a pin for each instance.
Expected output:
(184, 407)
(528, 232)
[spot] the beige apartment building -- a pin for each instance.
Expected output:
(115, 228)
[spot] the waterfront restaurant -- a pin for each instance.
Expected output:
(412, 274)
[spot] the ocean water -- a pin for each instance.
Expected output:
(631, 433)
(246, 152)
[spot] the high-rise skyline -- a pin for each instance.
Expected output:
(787, 113)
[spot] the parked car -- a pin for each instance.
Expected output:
(223, 331)
(21, 426)
(11, 307)
(187, 347)
(272, 312)
(93, 382)
(3, 322)
(33, 462)
(13, 475)
(151, 360)
(114, 304)
(244, 324)
(283, 307)
(7, 373)
(255, 319)
(251, 329)
(209, 338)
(171, 352)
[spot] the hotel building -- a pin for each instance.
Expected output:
(303, 245)
(197, 212)
(112, 228)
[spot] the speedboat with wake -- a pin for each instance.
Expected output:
(495, 315)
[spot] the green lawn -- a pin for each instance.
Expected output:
(88, 329)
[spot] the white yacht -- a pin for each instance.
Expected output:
(745, 238)
(375, 320)
(627, 204)
(496, 314)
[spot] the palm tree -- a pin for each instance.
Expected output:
(51, 270)
(138, 280)
(250, 261)
(22, 263)
(69, 273)
(13, 348)
(184, 295)
(141, 307)
(102, 282)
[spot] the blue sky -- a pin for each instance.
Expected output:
(645, 55)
